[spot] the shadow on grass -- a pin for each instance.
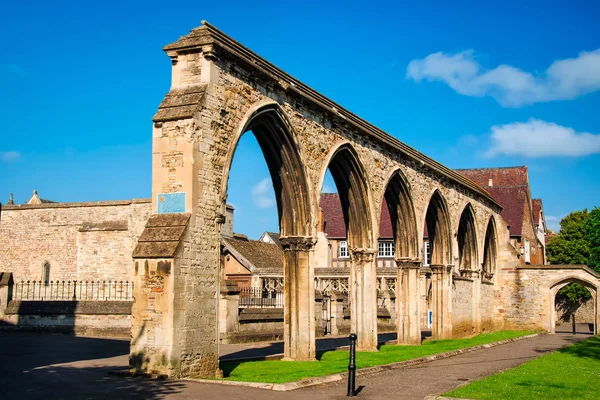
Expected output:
(228, 367)
(589, 348)
(537, 384)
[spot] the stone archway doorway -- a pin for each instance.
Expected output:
(558, 312)
(569, 316)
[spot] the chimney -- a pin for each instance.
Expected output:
(490, 182)
(227, 227)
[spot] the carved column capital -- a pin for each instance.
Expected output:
(362, 256)
(487, 275)
(469, 273)
(440, 268)
(408, 263)
(298, 243)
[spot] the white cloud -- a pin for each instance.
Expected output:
(510, 86)
(262, 194)
(553, 222)
(8, 156)
(536, 138)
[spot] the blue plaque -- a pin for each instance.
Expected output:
(171, 203)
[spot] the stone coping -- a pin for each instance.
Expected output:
(284, 387)
(161, 236)
(561, 266)
(105, 203)
(206, 37)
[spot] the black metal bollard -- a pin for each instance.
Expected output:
(574, 327)
(352, 366)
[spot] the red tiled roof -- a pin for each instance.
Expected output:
(506, 176)
(335, 226)
(509, 187)
(513, 200)
(536, 207)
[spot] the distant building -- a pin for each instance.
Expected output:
(334, 227)
(44, 241)
(509, 186)
(251, 263)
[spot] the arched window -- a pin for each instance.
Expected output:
(46, 273)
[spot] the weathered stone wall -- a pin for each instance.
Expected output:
(86, 318)
(80, 241)
(584, 313)
(318, 135)
(489, 303)
(529, 293)
(462, 307)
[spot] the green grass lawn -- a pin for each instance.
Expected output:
(331, 362)
(570, 373)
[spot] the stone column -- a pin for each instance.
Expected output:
(442, 304)
(319, 313)
(386, 299)
(363, 298)
(337, 311)
(408, 301)
(299, 299)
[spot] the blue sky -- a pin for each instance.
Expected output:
(469, 84)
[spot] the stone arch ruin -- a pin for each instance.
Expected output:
(220, 90)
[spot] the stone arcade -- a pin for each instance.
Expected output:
(219, 91)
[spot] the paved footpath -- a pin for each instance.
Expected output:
(55, 366)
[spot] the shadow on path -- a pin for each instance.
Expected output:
(54, 366)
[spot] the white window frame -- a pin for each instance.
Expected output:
(343, 249)
(385, 249)
(426, 253)
(527, 252)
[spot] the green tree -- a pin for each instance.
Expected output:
(570, 245)
(574, 294)
(592, 234)
(576, 243)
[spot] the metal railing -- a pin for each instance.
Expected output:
(73, 290)
(252, 297)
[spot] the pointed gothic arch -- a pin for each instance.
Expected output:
(277, 140)
(402, 214)
(437, 221)
(490, 249)
(352, 185)
(467, 240)
(278, 143)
